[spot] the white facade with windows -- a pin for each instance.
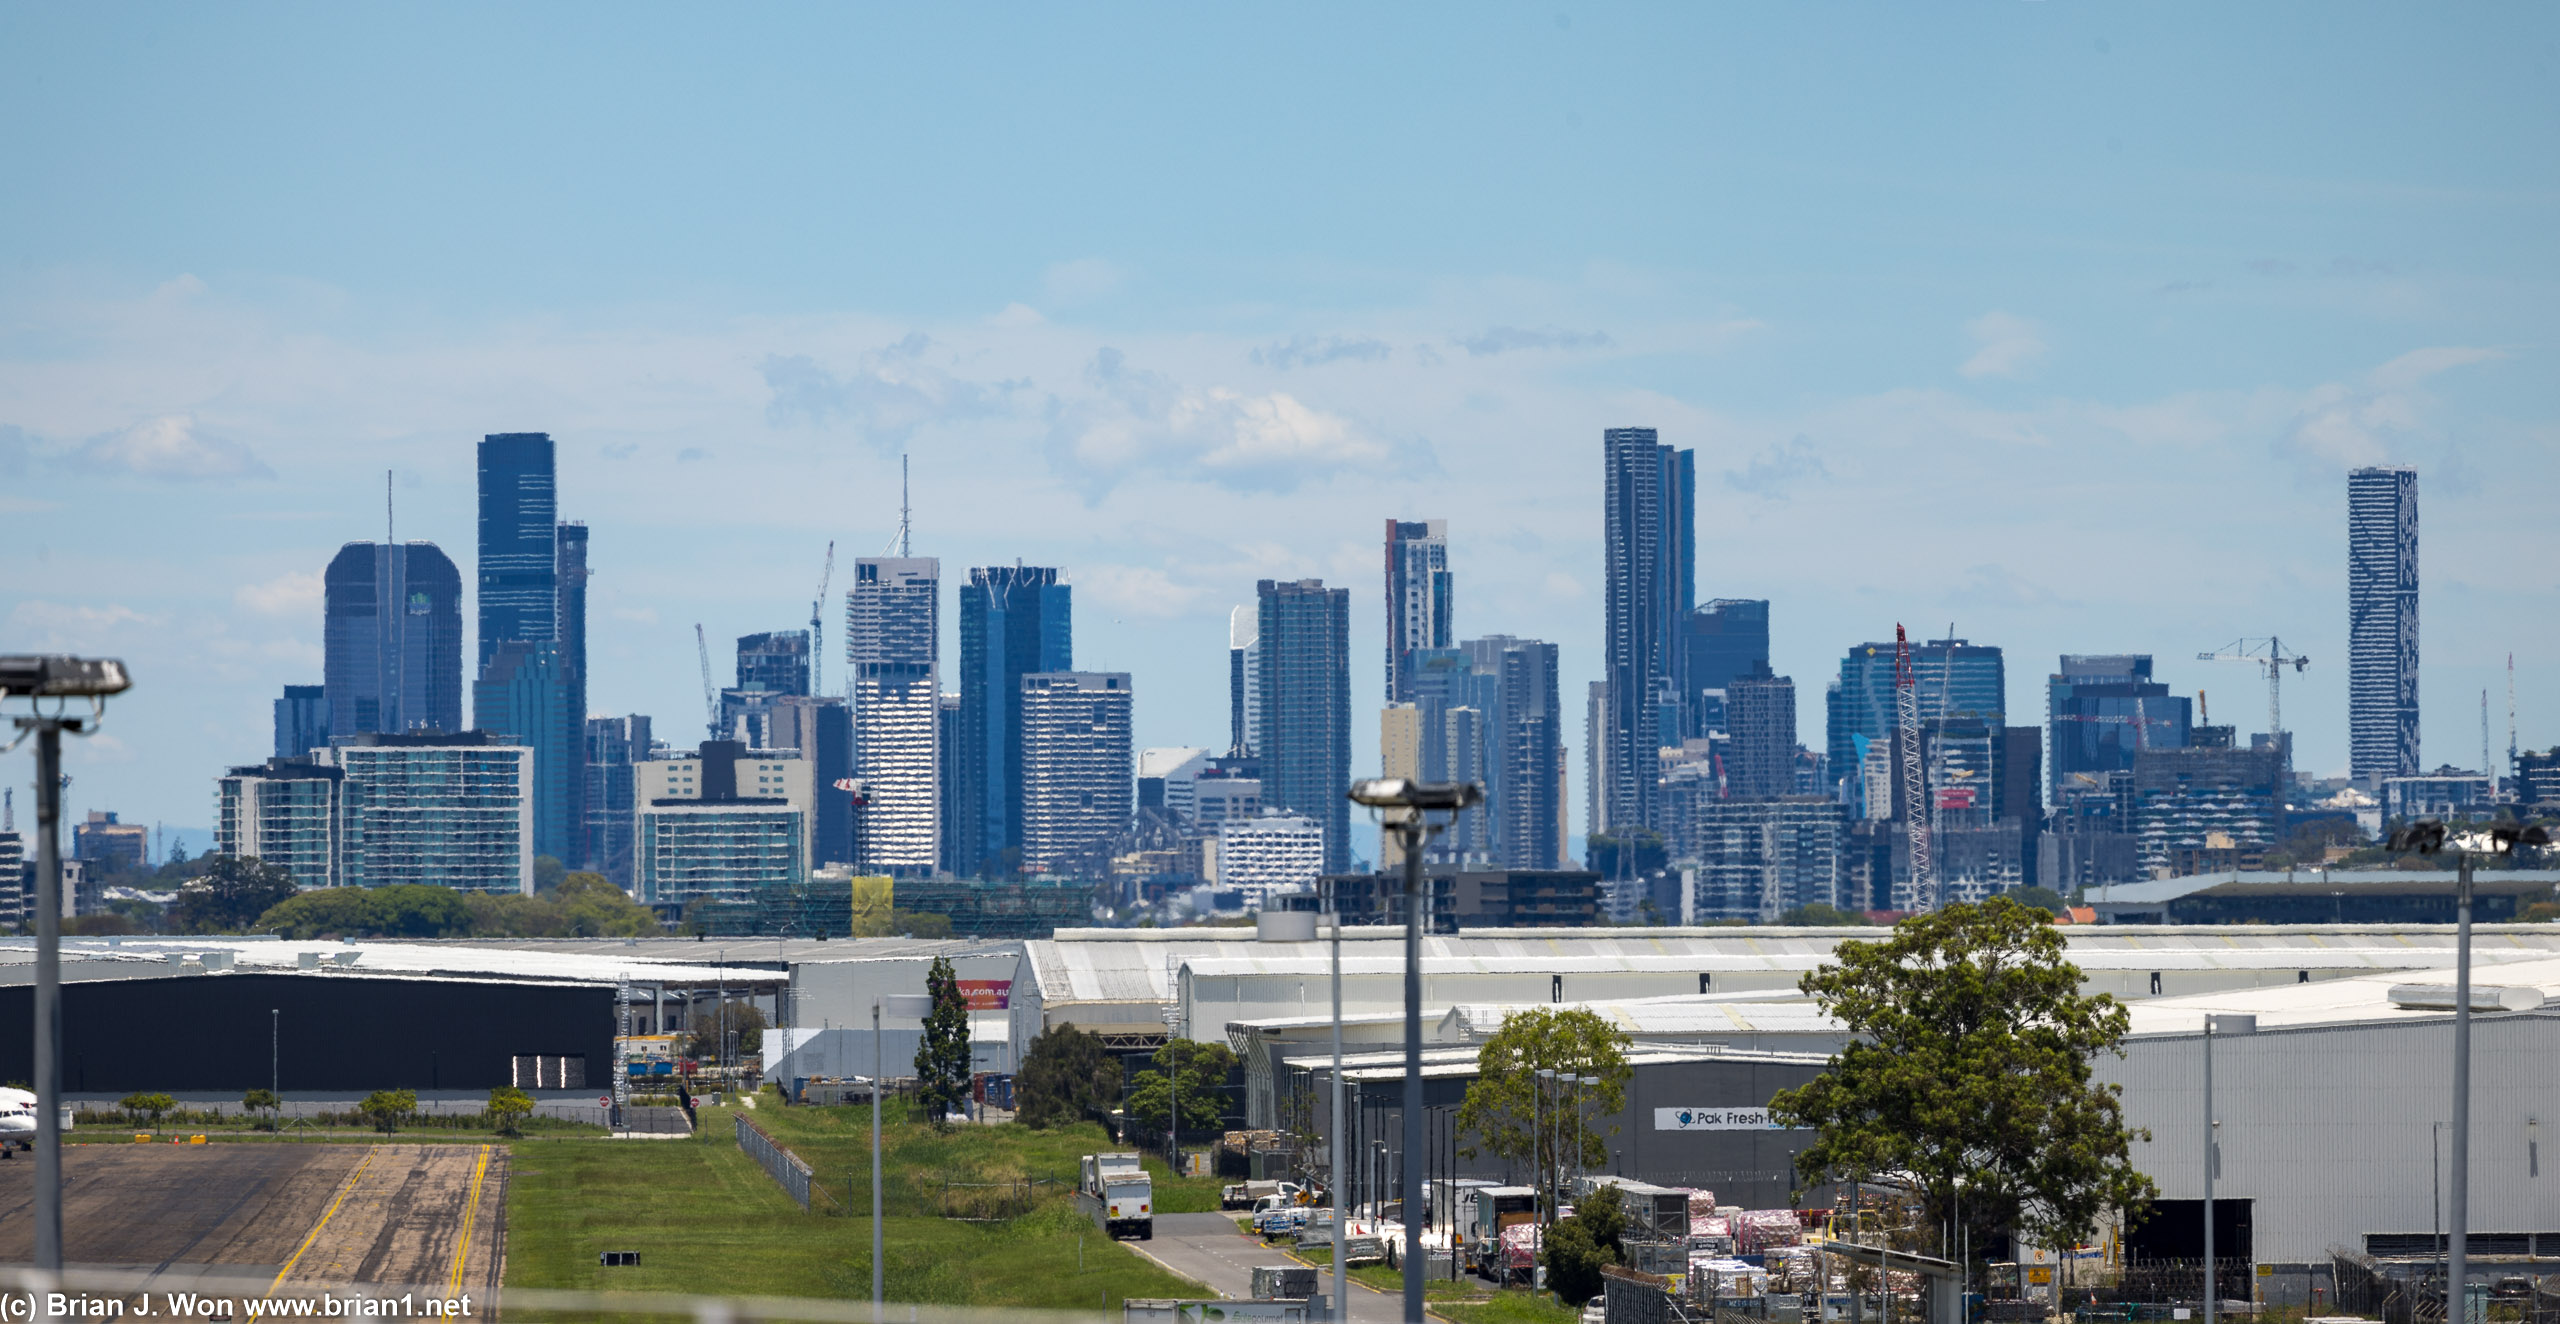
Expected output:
(446, 811)
(284, 812)
(892, 637)
(1077, 794)
(1272, 852)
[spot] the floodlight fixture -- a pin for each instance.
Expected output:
(1406, 793)
(58, 676)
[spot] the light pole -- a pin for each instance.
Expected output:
(275, 1051)
(918, 1005)
(1408, 806)
(1334, 1174)
(1172, 1095)
(2427, 837)
(35, 679)
(2215, 1025)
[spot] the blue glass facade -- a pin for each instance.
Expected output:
(1305, 742)
(391, 638)
(524, 697)
(1015, 621)
(2100, 712)
(1956, 681)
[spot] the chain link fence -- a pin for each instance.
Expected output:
(786, 1168)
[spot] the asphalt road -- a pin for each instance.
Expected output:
(1208, 1248)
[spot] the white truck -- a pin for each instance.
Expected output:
(1116, 1192)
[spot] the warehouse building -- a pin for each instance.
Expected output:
(2330, 1107)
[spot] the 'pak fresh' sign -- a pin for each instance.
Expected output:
(1712, 1119)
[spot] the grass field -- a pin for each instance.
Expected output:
(706, 1219)
(1511, 1305)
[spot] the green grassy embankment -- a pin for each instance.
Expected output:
(706, 1219)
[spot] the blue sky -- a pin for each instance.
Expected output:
(2060, 322)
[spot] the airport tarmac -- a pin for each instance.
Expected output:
(249, 1218)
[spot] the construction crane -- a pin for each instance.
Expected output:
(1906, 705)
(817, 631)
(710, 695)
(2267, 653)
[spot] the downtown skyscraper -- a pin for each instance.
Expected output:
(1649, 562)
(1015, 621)
(892, 643)
(391, 637)
(532, 647)
(1305, 716)
(1418, 598)
(2382, 622)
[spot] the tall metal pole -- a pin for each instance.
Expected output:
(879, 1067)
(275, 1051)
(2459, 1196)
(48, 1026)
(1414, 833)
(2208, 1169)
(1334, 1120)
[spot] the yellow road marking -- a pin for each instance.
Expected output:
(470, 1211)
(344, 1190)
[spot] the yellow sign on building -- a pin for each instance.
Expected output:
(871, 905)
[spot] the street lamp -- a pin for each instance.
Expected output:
(37, 678)
(919, 1006)
(2428, 836)
(2214, 1025)
(1406, 807)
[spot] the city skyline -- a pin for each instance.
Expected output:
(2072, 419)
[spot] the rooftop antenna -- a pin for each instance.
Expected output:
(390, 536)
(2485, 770)
(903, 549)
(8, 809)
(2511, 715)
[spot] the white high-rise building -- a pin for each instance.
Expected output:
(444, 810)
(892, 637)
(1268, 854)
(1076, 790)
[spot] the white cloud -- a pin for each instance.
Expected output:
(293, 593)
(170, 447)
(2380, 417)
(889, 394)
(70, 626)
(1136, 419)
(1135, 590)
(2005, 345)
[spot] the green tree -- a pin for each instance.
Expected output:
(942, 1060)
(590, 906)
(261, 1101)
(2042, 898)
(548, 873)
(743, 1021)
(1630, 854)
(324, 912)
(1815, 914)
(151, 1107)
(919, 924)
(1502, 1106)
(1969, 1064)
(386, 1108)
(1066, 1077)
(508, 1106)
(1201, 1069)
(1577, 1248)
(231, 895)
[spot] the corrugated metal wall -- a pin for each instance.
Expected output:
(2332, 1132)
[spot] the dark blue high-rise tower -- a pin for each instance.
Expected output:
(1305, 712)
(519, 542)
(1015, 621)
(1649, 563)
(532, 678)
(391, 632)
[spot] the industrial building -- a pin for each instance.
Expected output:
(2316, 896)
(2311, 1160)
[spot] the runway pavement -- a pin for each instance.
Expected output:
(242, 1218)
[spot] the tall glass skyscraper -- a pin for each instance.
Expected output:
(2101, 711)
(1726, 638)
(519, 542)
(2382, 622)
(892, 651)
(1955, 680)
(302, 720)
(1418, 598)
(532, 647)
(1650, 569)
(391, 637)
(1014, 621)
(1305, 742)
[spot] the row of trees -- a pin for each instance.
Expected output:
(384, 1109)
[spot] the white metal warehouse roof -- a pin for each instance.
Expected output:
(608, 964)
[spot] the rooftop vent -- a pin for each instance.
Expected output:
(2484, 997)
